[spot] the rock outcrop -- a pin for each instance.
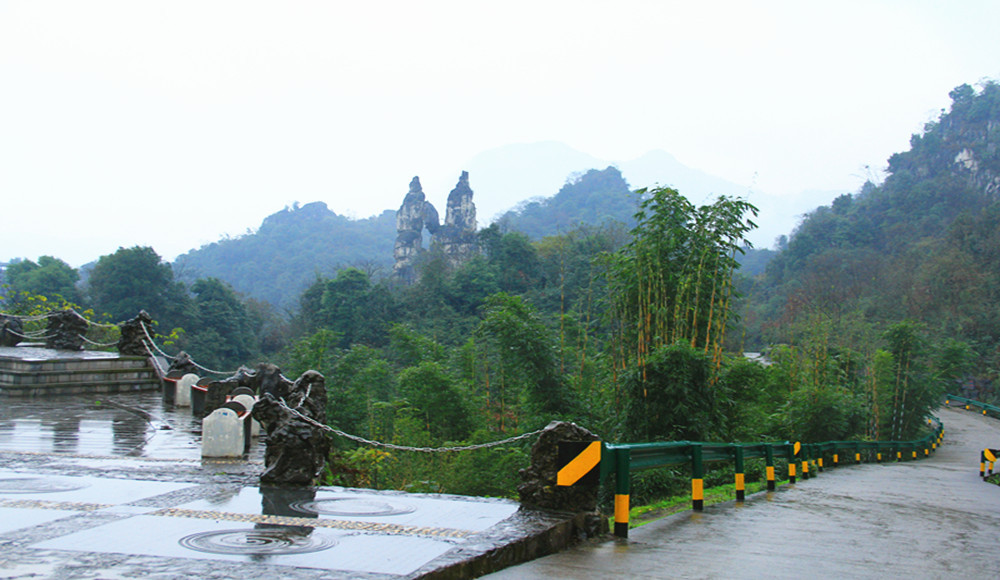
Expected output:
(410, 231)
(456, 237)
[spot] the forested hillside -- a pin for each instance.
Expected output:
(923, 247)
(596, 197)
(290, 249)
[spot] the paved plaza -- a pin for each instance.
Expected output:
(114, 487)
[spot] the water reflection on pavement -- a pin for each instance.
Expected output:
(120, 424)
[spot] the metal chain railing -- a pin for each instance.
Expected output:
(101, 344)
(362, 440)
(153, 342)
(159, 350)
(159, 370)
(32, 318)
(31, 336)
(99, 324)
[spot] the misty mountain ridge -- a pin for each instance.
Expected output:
(507, 176)
(549, 184)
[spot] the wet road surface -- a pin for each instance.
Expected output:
(933, 518)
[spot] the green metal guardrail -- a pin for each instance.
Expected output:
(622, 459)
(986, 408)
(987, 457)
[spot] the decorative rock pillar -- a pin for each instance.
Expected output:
(66, 330)
(133, 335)
(539, 490)
(11, 330)
(296, 450)
(183, 363)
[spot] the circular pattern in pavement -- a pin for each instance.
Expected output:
(347, 506)
(38, 485)
(265, 541)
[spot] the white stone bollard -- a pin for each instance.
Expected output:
(182, 398)
(222, 434)
(248, 402)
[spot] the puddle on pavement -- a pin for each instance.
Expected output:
(271, 540)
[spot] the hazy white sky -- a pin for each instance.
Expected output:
(172, 123)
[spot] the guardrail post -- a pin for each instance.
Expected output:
(740, 470)
(805, 460)
(793, 450)
(982, 463)
(697, 479)
(769, 462)
(857, 453)
(836, 457)
(623, 462)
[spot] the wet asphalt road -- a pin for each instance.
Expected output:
(933, 518)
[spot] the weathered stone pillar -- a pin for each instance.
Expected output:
(133, 335)
(66, 330)
(296, 450)
(11, 330)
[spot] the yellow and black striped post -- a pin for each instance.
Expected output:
(769, 461)
(738, 460)
(623, 460)
(697, 479)
(819, 461)
(836, 457)
(986, 455)
(796, 447)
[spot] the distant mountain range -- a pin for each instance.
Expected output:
(539, 188)
(508, 175)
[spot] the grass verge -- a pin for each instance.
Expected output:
(644, 514)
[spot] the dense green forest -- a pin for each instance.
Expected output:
(632, 327)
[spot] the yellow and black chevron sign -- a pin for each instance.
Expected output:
(578, 463)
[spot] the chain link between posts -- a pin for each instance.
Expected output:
(362, 440)
(101, 344)
(159, 350)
